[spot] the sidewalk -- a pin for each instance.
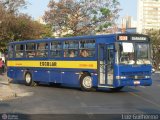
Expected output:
(8, 90)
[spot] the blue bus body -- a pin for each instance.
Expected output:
(104, 68)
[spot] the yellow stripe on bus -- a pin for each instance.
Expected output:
(53, 64)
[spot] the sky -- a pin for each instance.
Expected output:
(36, 8)
(129, 7)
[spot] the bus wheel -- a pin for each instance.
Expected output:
(86, 83)
(28, 79)
(117, 89)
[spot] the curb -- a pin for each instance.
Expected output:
(14, 95)
(10, 91)
(157, 71)
(11, 94)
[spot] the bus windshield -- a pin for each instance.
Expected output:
(133, 53)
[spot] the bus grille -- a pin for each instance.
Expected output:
(136, 73)
(136, 77)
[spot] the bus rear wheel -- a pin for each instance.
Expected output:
(86, 83)
(28, 79)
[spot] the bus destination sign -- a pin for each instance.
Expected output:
(136, 38)
(123, 37)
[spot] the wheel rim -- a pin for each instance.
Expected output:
(87, 82)
(28, 78)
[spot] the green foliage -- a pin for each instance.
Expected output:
(94, 12)
(95, 18)
(15, 26)
(47, 31)
(106, 25)
(68, 35)
(105, 11)
(155, 40)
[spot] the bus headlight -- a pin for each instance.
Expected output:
(147, 77)
(123, 77)
(120, 77)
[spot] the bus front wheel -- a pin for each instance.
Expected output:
(28, 79)
(86, 83)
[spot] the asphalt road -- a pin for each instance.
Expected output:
(60, 100)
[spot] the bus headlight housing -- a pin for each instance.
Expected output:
(147, 77)
(121, 77)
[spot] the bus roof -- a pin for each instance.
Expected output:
(76, 37)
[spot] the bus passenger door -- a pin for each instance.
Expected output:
(105, 64)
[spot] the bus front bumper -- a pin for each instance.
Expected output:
(130, 82)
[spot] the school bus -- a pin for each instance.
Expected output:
(89, 62)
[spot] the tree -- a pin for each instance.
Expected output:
(25, 28)
(13, 6)
(17, 26)
(81, 17)
(155, 40)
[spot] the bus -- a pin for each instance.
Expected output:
(89, 62)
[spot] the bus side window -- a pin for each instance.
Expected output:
(11, 51)
(84, 53)
(72, 53)
(19, 50)
(56, 48)
(30, 50)
(87, 48)
(42, 50)
(70, 49)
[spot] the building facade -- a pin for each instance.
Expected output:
(148, 15)
(127, 25)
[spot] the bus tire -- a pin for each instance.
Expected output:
(28, 79)
(86, 83)
(117, 89)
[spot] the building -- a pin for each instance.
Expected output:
(127, 25)
(148, 15)
(126, 22)
(40, 20)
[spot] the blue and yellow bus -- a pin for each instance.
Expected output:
(89, 62)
